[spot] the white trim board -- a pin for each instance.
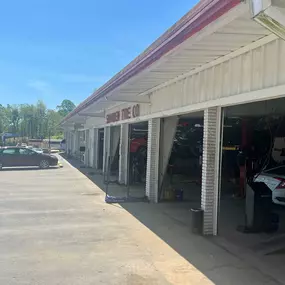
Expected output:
(244, 98)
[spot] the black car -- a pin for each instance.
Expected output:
(21, 156)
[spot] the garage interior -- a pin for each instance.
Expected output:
(138, 134)
(182, 149)
(112, 165)
(261, 141)
(136, 162)
(256, 129)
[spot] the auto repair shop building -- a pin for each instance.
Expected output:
(222, 53)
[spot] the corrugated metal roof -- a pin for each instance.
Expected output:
(204, 13)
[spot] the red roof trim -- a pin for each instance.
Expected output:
(205, 12)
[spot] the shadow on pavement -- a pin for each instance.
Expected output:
(171, 222)
(26, 169)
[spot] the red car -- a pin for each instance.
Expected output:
(137, 143)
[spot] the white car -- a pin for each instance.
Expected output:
(274, 178)
(38, 150)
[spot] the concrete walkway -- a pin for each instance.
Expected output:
(57, 229)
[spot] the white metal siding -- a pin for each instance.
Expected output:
(144, 108)
(92, 122)
(262, 67)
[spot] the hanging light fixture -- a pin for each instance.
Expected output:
(270, 14)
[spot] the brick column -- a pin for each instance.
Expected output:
(152, 170)
(211, 169)
(124, 154)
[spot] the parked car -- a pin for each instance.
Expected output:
(274, 178)
(21, 156)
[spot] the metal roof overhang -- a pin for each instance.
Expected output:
(212, 29)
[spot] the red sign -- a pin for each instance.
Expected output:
(124, 114)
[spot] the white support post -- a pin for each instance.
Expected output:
(152, 172)
(106, 148)
(124, 154)
(211, 169)
(96, 149)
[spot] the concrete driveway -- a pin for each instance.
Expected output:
(55, 228)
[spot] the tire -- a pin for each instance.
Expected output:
(44, 164)
(1, 165)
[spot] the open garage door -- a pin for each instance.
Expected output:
(180, 159)
(138, 135)
(252, 199)
(112, 158)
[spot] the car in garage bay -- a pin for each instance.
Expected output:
(274, 178)
(38, 150)
(21, 156)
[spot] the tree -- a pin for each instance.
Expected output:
(4, 120)
(65, 107)
(53, 120)
(33, 120)
(12, 113)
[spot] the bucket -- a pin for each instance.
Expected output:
(197, 220)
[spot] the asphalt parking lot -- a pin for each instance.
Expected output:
(55, 228)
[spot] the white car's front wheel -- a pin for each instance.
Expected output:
(44, 164)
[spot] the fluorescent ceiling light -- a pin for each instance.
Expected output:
(270, 14)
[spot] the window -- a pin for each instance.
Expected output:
(26, 151)
(9, 151)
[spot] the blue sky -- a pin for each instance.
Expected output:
(64, 49)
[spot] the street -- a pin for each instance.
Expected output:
(57, 229)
